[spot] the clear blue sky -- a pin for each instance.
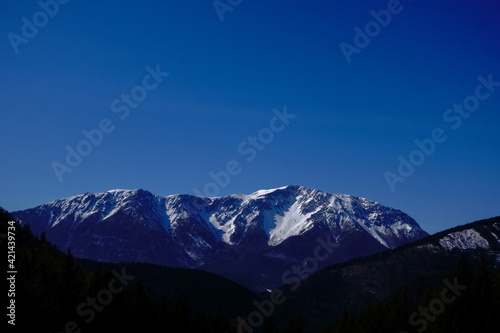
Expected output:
(353, 120)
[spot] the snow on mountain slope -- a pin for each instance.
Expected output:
(192, 231)
(281, 213)
(292, 210)
(466, 239)
(289, 223)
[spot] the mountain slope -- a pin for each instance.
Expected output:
(350, 286)
(251, 239)
(51, 286)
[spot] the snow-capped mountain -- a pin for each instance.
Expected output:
(481, 235)
(252, 238)
(412, 268)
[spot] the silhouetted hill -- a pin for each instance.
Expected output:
(203, 291)
(414, 267)
(54, 290)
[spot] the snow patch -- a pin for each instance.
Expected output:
(118, 190)
(261, 193)
(227, 227)
(291, 223)
(498, 240)
(467, 239)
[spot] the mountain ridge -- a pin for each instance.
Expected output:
(320, 299)
(351, 285)
(276, 226)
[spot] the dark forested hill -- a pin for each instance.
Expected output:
(413, 268)
(57, 293)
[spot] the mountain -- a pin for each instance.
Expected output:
(51, 286)
(377, 293)
(252, 239)
(414, 267)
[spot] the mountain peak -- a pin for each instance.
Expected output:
(261, 193)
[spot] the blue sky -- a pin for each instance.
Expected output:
(348, 123)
